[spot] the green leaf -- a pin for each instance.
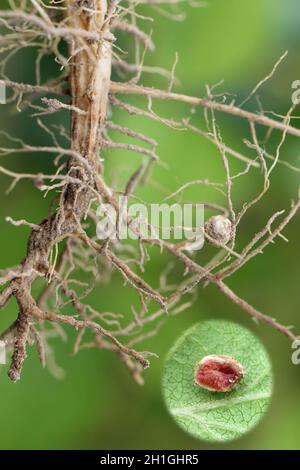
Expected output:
(214, 416)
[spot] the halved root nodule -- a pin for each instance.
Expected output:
(218, 373)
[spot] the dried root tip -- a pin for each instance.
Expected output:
(134, 368)
(14, 374)
(218, 229)
(19, 355)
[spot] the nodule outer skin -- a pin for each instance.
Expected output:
(218, 373)
(219, 228)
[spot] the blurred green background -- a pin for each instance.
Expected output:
(97, 405)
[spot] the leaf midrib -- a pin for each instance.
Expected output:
(221, 403)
